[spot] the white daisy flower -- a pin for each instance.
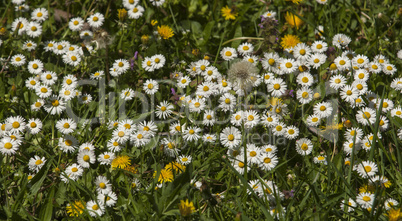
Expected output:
(39, 14)
(366, 116)
(237, 118)
(245, 48)
(95, 209)
(66, 126)
(151, 86)
(21, 24)
(34, 29)
(251, 118)
(34, 125)
(288, 66)
(319, 47)
(164, 110)
(277, 87)
(127, 94)
(76, 24)
(305, 79)
(304, 95)
(227, 102)
(96, 20)
(230, 137)
(136, 11)
(113, 145)
(103, 186)
(8, 146)
(48, 77)
(97, 75)
(157, 3)
(71, 58)
(317, 59)
(130, 3)
(183, 82)
(17, 124)
(361, 75)
(68, 144)
(349, 93)
(18, 60)
(228, 53)
(109, 199)
(86, 35)
(343, 63)
(158, 61)
(304, 146)
(390, 203)
(85, 158)
(140, 138)
(396, 112)
(192, 134)
(29, 46)
(269, 14)
(106, 158)
(389, 69)
(366, 169)
(209, 118)
(323, 109)
(73, 172)
(251, 58)
(279, 129)
(35, 66)
(37, 104)
(291, 132)
(341, 41)
(184, 160)
(268, 161)
(121, 65)
(301, 52)
(270, 61)
(36, 163)
(209, 138)
(320, 159)
(365, 200)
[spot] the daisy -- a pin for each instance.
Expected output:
(183, 81)
(277, 87)
(374, 67)
(251, 118)
(337, 81)
(130, 3)
(319, 47)
(201, 66)
(323, 109)
(288, 66)
(113, 145)
(37, 104)
(366, 169)
(170, 147)
(341, 41)
(72, 59)
(106, 158)
(237, 118)
(320, 159)
(305, 79)
(397, 84)
(148, 127)
(351, 204)
(109, 199)
(360, 61)
(34, 125)
(176, 128)
(389, 69)
(209, 138)
(349, 93)
(158, 61)
(304, 95)
(67, 94)
(361, 86)
(228, 53)
(164, 110)
(192, 134)
(384, 123)
(68, 144)
(224, 85)
(8, 146)
(21, 24)
(18, 60)
(157, 3)
(121, 65)
(304, 146)
(396, 112)
(17, 124)
(253, 154)
(35, 66)
(39, 14)
(136, 11)
(390, 203)
(279, 129)
(127, 94)
(34, 29)
(352, 132)
(291, 132)
(269, 14)
(32, 82)
(342, 63)
(245, 49)
(66, 126)
(72, 172)
(349, 145)
(86, 35)
(251, 58)
(184, 160)
(95, 209)
(366, 116)
(301, 52)
(365, 200)
(85, 158)
(270, 61)
(48, 77)
(361, 75)
(36, 163)
(268, 77)
(209, 118)
(140, 138)
(206, 89)
(103, 185)
(151, 86)
(239, 165)
(96, 20)
(227, 102)
(29, 46)
(76, 24)
(317, 59)
(268, 161)
(97, 75)
(230, 137)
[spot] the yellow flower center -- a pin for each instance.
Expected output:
(271, 61)
(305, 79)
(95, 18)
(316, 60)
(304, 147)
(319, 46)
(69, 81)
(55, 103)
(75, 22)
(73, 58)
(288, 65)
(277, 86)
(33, 28)
(16, 124)
(139, 136)
(366, 198)
(206, 88)
(227, 101)
(74, 169)
(8, 146)
(302, 52)
(102, 185)
(95, 207)
(361, 75)
(291, 131)
(209, 117)
(86, 158)
(33, 124)
(366, 115)
(320, 158)
(278, 128)
(342, 62)
(38, 162)
(238, 117)
(38, 104)
(35, 66)
(231, 137)
(120, 134)
(304, 94)
(116, 143)
(245, 48)
(68, 142)
(241, 164)
(191, 131)
(197, 104)
(267, 160)
(228, 53)
(66, 125)
(323, 108)
(349, 92)
(163, 108)
(360, 60)
(359, 86)
(106, 156)
(253, 153)
(157, 60)
(314, 119)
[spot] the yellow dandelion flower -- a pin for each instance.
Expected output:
(122, 14)
(145, 39)
(289, 41)
(293, 20)
(186, 208)
(121, 162)
(195, 51)
(75, 209)
(154, 22)
(177, 167)
(228, 13)
(165, 31)
(394, 214)
(132, 169)
(164, 176)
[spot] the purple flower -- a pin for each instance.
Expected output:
(173, 91)
(291, 93)
(132, 64)
(135, 55)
